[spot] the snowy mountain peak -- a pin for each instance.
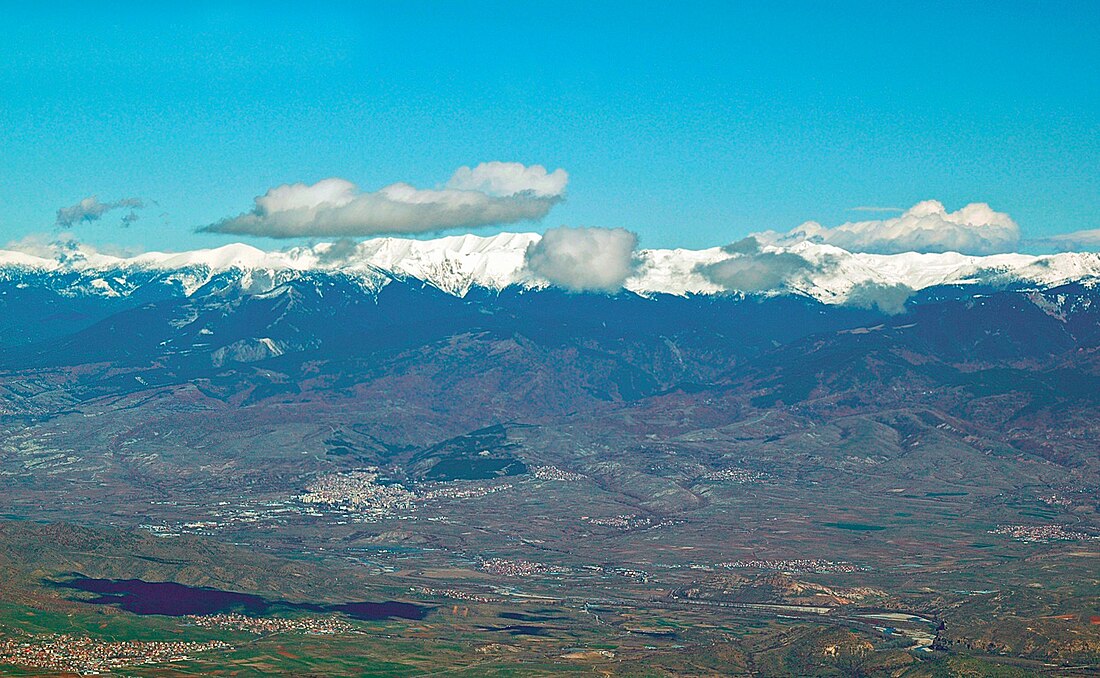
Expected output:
(456, 264)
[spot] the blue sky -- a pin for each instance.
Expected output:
(691, 124)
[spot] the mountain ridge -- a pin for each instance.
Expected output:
(458, 264)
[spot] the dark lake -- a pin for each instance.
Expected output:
(176, 600)
(857, 527)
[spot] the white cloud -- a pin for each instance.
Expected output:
(750, 270)
(336, 253)
(325, 193)
(888, 298)
(491, 193)
(924, 227)
(584, 259)
(91, 209)
(510, 178)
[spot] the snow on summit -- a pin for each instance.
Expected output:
(456, 264)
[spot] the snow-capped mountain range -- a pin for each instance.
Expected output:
(459, 263)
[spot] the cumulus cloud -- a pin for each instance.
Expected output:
(509, 178)
(888, 298)
(751, 270)
(91, 209)
(924, 227)
(584, 259)
(491, 193)
(337, 253)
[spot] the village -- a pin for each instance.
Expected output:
(265, 625)
(75, 654)
(1042, 533)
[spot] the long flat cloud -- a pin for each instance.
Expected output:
(924, 227)
(1087, 241)
(91, 209)
(491, 193)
